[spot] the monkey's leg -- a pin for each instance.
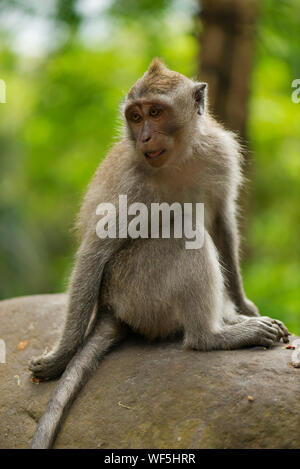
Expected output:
(206, 329)
(107, 332)
(83, 293)
(262, 331)
(204, 322)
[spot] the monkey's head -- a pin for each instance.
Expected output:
(161, 111)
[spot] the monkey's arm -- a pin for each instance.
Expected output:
(226, 238)
(83, 293)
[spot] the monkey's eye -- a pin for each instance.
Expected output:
(135, 117)
(154, 112)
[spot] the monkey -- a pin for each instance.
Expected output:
(171, 150)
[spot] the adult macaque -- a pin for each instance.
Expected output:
(172, 151)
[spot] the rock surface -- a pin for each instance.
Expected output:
(149, 395)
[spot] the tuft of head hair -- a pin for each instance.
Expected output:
(157, 80)
(156, 66)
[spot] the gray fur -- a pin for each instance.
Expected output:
(156, 286)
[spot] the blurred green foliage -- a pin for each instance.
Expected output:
(61, 117)
(272, 271)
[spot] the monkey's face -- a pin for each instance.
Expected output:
(161, 110)
(153, 127)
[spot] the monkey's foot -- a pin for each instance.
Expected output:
(284, 332)
(256, 331)
(47, 366)
(267, 331)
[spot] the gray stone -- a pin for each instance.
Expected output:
(149, 395)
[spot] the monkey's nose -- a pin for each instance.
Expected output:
(146, 139)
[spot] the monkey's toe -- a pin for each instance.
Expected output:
(284, 330)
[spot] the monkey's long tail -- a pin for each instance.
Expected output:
(106, 333)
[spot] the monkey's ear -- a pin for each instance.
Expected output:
(199, 95)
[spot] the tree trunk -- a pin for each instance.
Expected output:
(227, 42)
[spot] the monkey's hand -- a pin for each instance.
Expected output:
(248, 308)
(47, 366)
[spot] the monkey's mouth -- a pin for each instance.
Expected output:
(151, 155)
